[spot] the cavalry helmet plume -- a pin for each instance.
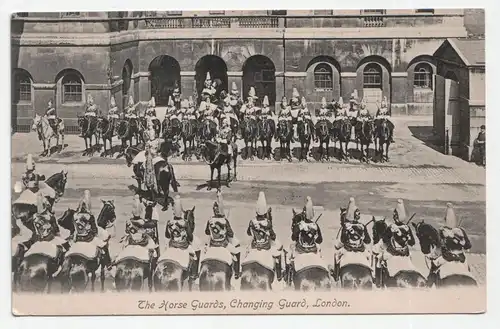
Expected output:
(450, 219)
(251, 93)
(170, 101)
(137, 207)
(85, 203)
(261, 206)
(219, 205)
(323, 102)
(351, 210)
(234, 88)
(265, 102)
(295, 93)
(341, 102)
(30, 164)
(400, 210)
(152, 102)
(309, 208)
(190, 101)
(90, 99)
(178, 210)
(184, 104)
(131, 101)
(50, 103)
(207, 77)
(304, 102)
(112, 102)
(384, 103)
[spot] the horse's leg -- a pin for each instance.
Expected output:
(288, 151)
(103, 277)
(228, 170)
(218, 176)
(387, 150)
(86, 146)
(211, 177)
(92, 281)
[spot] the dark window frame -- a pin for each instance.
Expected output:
(422, 76)
(323, 77)
(72, 88)
(372, 76)
(23, 88)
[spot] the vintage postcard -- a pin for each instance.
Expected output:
(248, 162)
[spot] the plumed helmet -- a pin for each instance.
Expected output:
(234, 88)
(152, 102)
(304, 102)
(50, 103)
(351, 209)
(309, 208)
(323, 102)
(190, 101)
(251, 92)
(220, 204)
(261, 206)
(40, 203)
(400, 210)
(177, 90)
(450, 219)
(178, 210)
(85, 202)
(112, 102)
(90, 99)
(30, 164)
(363, 103)
(355, 94)
(170, 101)
(184, 104)
(295, 93)
(137, 206)
(353, 98)
(384, 103)
(131, 101)
(265, 102)
(341, 102)
(208, 77)
(283, 100)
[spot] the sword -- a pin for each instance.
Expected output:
(409, 220)
(318, 218)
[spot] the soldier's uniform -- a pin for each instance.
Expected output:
(51, 114)
(191, 112)
(209, 89)
(383, 114)
(30, 178)
(151, 109)
(235, 99)
(151, 138)
(285, 113)
(113, 111)
(324, 113)
(183, 109)
(340, 110)
(186, 239)
(304, 114)
(352, 112)
(363, 114)
(228, 110)
(262, 224)
(131, 111)
(227, 240)
(295, 102)
(171, 112)
(265, 112)
(91, 110)
(177, 96)
(248, 109)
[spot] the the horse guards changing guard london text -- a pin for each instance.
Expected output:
(283, 161)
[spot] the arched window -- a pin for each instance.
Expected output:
(22, 87)
(422, 76)
(71, 88)
(323, 77)
(372, 76)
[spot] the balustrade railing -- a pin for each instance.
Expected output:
(211, 22)
(373, 21)
(258, 22)
(164, 23)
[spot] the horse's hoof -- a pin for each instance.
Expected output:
(209, 188)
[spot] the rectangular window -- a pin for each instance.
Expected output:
(217, 12)
(425, 11)
(323, 12)
(23, 91)
(71, 14)
(277, 12)
(72, 92)
(422, 80)
(323, 80)
(373, 12)
(372, 81)
(174, 13)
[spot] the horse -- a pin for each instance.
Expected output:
(171, 128)
(314, 274)
(170, 274)
(188, 134)
(88, 129)
(25, 211)
(156, 124)
(284, 134)
(127, 129)
(323, 137)
(342, 132)
(45, 132)
(216, 157)
(364, 133)
(207, 130)
(404, 273)
(382, 137)
(106, 130)
(234, 126)
(430, 243)
(267, 129)
(306, 134)
(215, 274)
(84, 258)
(250, 133)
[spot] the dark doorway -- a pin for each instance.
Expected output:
(127, 81)
(218, 71)
(259, 72)
(165, 74)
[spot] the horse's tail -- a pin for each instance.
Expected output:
(168, 276)
(129, 278)
(256, 277)
(78, 278)
(33, 277)
(212, 280)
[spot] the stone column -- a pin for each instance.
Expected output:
(144, 87)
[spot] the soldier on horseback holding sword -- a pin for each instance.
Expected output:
(113, 111)
(363, 114)
(171, 112)
(340, 111)
(304, 113)
(383, 114)
(51, 115)
(91, 110)
(324, 112)
(131, 110)
(262, 224)
(265, 111)
(227, 110)
(151, 110)
(229, 241)
(248, 109)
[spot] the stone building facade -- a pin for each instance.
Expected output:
(322, 53)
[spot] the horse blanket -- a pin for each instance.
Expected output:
(135, 252)
(309, 260)
(455, 268)
(396, 264)
(218, 253)
(355, 258)
(47, 248)
(177, 255)
(86, 250)
(262, 257)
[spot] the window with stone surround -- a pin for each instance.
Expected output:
(217, 12)
(71, 14)
(22, 87)
(323, 12)
(174, 13)
(425, 11)
(72, 91)
(373, 12)
(372, 76)
(323, 77)
(422, 76)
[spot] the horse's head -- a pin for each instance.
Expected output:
(43, 226)
(322, 128)
(189, 217)
(67, 219)
(58, 182)
(379, 230)
(308, 232)
(297, 217)
(107, 216)
(428, 236)
(81, 120)
(400, 236)
(36, 122)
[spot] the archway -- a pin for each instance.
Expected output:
(259, 72)
(127, 81)
(218, 70)
(373, 80)
(165, 74)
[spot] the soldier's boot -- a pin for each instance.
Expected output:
(175, 183)
(195, 265)
(378, 277)
(106, 257)
(277, 268)
(59, 260)
(236, 266)
(336, 272)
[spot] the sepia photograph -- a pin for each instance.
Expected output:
(248, 162)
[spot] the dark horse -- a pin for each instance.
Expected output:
(188, 134)
(284, 134)
(171, 128)
(398, 248)
(267, 129)
(127, 129)
(305, 131)
(216, 155)
(156, 124)
(314, 277)
(342, 132)
(88, 129)
(363, 131)
(323, 128)
(25, 212)
(106, 130)
(164, 173)
(250, 133)
(430, 243)
(207, 130)
(77, 267)
(169, 275)
(382, 137)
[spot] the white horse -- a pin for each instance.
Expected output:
(45, 132)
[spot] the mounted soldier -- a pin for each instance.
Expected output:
(228, 110)
(191, 110)
(209, 89)
(260, 228)
(131, 110)
(177, 96)
(363, 114)
(340, 110)
(151, 109)
(324, 112)
(304, 113)
(285, 113)
(51, 115)
(151, 138)
(295, 103)
(352, 112)
(224, 137)
(183, 110)
(91, 109)
(221, 234)
(30, 179)
(248, 109)
(383, 114)
(113, 110)
(235, 100)
(179, 233)
(171, 112)
(265, 111)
